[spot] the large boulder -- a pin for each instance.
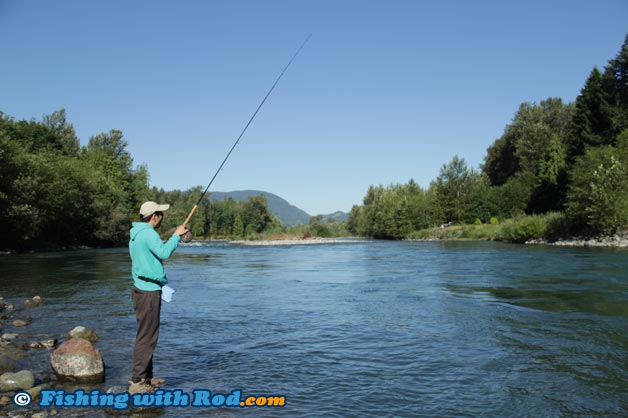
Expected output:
(78, 361)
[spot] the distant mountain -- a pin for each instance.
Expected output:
(288, 214)
(338, 216)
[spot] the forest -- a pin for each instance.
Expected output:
(559, 169)
(55, 193)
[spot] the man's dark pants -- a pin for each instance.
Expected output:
(147, 306)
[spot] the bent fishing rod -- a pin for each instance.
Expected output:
(200, 199)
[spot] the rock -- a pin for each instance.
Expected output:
(42, 344)
(23, 379)
(85, 333)
(21, 322)
(9, 336)
(8, 364)
(5, 400)
(35, 392)
(31, 303)
(77, 360)
(48, 343)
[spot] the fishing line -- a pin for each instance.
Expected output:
(187, 220)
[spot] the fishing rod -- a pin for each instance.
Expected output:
(188, 237)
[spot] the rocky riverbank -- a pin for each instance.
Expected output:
(19, 381)
(616, 241)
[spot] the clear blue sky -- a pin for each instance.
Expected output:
(385, 91)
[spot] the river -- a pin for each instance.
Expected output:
(374, 328)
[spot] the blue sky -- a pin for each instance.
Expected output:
(385, 91)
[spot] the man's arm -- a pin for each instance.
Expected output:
(160, 249)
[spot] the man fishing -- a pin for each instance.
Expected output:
(147, 255)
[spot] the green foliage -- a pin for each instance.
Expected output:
(454, 189)
(553, 157)
(322, 229)
(53, 193)
(527, 228)
(393, 212)
(522, 229)
(526, 141)
(511, 199)
(533, 147)
(598, 196)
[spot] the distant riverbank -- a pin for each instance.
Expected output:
(515, 234)
(301, 241)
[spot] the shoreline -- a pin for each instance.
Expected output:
(615, 241)
(298, 241)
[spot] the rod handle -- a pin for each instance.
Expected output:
(185, 223)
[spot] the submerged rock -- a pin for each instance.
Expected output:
(8, 364)
(23, 379)
(85, 333)
(42, 344)
(22, 322)
(77, 360)
(30, 303)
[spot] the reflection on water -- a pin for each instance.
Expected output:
(370, 329)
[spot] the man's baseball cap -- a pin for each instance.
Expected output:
(148, 208)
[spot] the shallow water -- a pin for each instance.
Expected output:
(361, 329)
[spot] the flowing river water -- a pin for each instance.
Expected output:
(373, 328)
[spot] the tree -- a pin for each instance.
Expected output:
(454, 188)
(500, 162)
(64, 131)
(598, 198)
(118, 190)
(551, 181)
(592, 121)
(256, 216)
(617, 71)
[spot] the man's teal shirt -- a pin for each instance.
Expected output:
(147, 255)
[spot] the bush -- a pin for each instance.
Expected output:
(522, 229)
(525, 228)
(597, 198)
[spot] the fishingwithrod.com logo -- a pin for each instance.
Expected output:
(198, 398)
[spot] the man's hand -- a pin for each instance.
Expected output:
(180, 230)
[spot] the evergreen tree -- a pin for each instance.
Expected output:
(592, 121)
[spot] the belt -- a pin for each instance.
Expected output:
(146, 279)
